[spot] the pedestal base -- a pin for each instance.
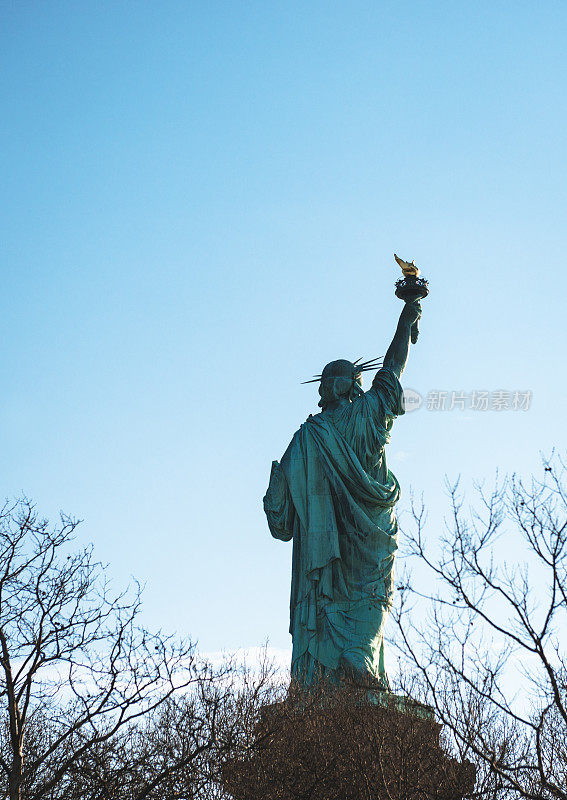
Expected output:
(348, 750)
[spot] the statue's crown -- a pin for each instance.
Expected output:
(342, 368)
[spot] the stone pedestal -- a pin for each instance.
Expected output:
(347, 748)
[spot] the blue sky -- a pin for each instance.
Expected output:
(200, 205)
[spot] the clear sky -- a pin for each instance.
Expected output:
(200, 203)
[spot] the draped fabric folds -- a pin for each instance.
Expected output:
(334, 496)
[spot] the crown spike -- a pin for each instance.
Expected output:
(371, 361)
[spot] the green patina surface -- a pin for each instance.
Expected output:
(333, 495)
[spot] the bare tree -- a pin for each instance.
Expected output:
(344, 743)
(482, 631)
(180, 750)
(79, 675)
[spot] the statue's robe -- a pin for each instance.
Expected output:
(334, 495)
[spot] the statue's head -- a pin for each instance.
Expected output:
(340, 379)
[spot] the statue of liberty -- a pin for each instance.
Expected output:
(334, 496)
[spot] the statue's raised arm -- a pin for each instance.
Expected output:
(397, 354)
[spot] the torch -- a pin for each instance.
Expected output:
(411, 287)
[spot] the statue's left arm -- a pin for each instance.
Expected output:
(278, 505)
(397, 354)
